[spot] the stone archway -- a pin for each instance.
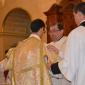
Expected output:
(16, 27)
(17, 21)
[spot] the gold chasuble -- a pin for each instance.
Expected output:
(29, 67)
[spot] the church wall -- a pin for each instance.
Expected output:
(34, 7)
(1, 48)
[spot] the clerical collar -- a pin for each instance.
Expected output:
(82, 23)
(36, 36)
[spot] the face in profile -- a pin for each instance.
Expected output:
(42, 31)
(78, 17)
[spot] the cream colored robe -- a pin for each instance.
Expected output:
(28, 65)
(73, 64)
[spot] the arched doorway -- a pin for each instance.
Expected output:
(17, 20)
(16, 27)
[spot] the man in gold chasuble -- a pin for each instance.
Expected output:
(28, 66)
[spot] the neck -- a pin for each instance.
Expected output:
(36, 33)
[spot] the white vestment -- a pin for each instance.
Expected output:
(73, 64)
(60, 45)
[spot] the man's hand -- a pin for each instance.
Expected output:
(52, 48)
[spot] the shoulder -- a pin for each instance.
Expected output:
(74, 32)
(77, 32)
(76, 35)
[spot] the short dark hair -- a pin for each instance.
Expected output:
(36, 25)
(79, 8)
